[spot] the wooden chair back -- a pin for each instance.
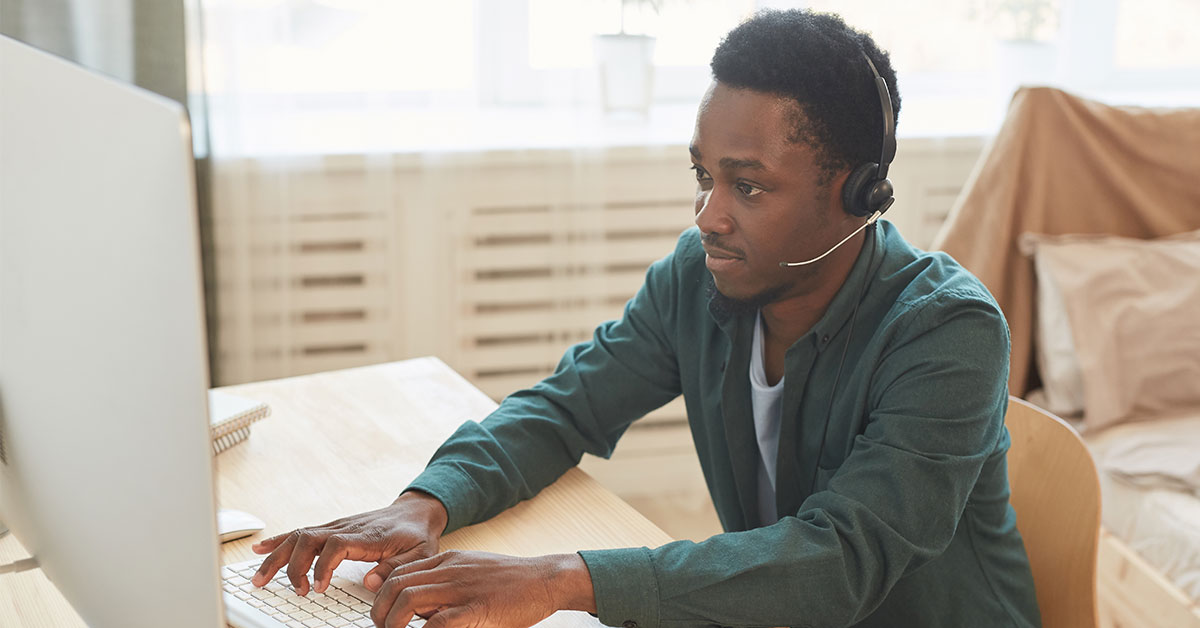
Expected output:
(1056, 495)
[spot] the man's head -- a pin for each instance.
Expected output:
(816, 60)
(792, 109)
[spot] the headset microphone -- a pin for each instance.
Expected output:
(870, 221)
(868, 191)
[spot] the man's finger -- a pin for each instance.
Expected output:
(449, 618)
(393, 592)
(271, 564)
(268, 545)
(374, 578)
(309, 543)
(411, 601)
(339, 547)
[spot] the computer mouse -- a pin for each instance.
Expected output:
(235, 524)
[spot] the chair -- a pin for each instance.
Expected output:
(1056, 494)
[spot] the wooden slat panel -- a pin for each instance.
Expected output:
(519, 323)
(600, 287)
(650, 219)
(543, 354)
(369, 297)
(369, 331)
(337, 263)
(587, 253)
(332, 230)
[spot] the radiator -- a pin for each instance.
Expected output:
(495, 262)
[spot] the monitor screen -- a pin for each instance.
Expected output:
(106, 473)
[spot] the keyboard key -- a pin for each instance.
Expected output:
(323, 614)
(261, 594)
(313, 623)
(354, 589)
(339, 622)
(360, 608)
(295, 624)
(287, 609)
(365, 623)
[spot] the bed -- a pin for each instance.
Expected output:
(1083, 219)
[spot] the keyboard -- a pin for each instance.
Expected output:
(345, 604)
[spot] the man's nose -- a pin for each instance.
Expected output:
(712, 212)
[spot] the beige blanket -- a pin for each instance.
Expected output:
(1063, 164)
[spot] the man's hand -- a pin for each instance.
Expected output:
(476, 589)
(405, 531)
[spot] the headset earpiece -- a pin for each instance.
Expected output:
(868, 190)
(857, 190)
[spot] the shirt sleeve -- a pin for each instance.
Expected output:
(936, 414)
(599, 387)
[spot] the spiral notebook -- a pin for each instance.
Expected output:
(231, 416)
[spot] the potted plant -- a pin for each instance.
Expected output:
(1025, 50)
(625, 59)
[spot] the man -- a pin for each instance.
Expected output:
(847, 412)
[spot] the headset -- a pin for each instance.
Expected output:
(867, 192)
(867, 189)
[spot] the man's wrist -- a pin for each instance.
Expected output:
(432, 510)
(571, 583)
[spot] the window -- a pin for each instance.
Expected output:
(335, 47)
(467, 65)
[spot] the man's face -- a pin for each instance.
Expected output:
(758, 200)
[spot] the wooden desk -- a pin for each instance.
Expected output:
(343, 442)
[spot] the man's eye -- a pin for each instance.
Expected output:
(701, 173)
(748, 190)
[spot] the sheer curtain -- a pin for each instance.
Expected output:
(397, 179)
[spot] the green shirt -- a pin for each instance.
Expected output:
(892, 489)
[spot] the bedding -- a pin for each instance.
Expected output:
(1150, 490)
(1118, 335)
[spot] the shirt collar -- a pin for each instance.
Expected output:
(854, 290)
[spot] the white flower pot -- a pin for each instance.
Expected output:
(626, 67)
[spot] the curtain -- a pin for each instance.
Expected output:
(141, 42)
(399, 179)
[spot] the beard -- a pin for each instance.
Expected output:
(727, 305)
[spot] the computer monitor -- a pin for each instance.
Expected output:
(106, 471)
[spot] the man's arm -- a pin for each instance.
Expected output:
(628, 369)
(599, 388)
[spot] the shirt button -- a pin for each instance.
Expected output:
(825, 339)
(629, 623)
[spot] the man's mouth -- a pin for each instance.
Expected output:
(721, 254)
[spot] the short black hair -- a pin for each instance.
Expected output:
(816, 60)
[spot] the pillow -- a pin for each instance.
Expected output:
(1057, 362)
(1130, 309)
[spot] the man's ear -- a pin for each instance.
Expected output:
(834, 194)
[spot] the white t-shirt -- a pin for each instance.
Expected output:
(766, 402)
